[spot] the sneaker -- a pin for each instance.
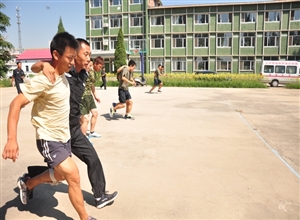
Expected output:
(105, 199)
(114, 105)
(91, 218)
(111, 112)
(129, 117)
(25, 193)
(94, 134)
(159, 91)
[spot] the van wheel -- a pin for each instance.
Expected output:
(274, 83)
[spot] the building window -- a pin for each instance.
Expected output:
(223, 63)
(178, 64)
(95, 3)
(138, 64)
(136, 20)
(271, 39)
(155, 62)
(246, 63)
(248, 17)
(293, 58)
(115, 2)
(271, 58)
(224, 39)
(225, 18)
(201, 40)
(97, 43)
(294, 38)
(157, 41)
(272, 16)
(137, 42)
(96, 22)
(157, 20)
(179, 40)
(113, 43)
(247, 39)
(201, 63)
(295, 15)
(178, 19)
(136, 1)
(201, 19)
(115, 21)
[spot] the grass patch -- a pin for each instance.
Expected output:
(294, 85)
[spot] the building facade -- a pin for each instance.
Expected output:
(225, 37)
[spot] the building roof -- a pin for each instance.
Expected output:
(35, 54)
(222, 4)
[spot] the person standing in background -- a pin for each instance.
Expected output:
(18, 76)
(103, 75)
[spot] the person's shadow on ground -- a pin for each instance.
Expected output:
(43, 202)
(116, 116)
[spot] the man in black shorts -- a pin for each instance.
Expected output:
(125, 78)
(157, 82)
(80, 145)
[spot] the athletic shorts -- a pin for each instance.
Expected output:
(87, 104)
(157, 82)
(123, 95)
(54, 152)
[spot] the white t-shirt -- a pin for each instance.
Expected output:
(51, 107)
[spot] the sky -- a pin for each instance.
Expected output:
(40, 18)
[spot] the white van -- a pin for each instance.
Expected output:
(276, 72)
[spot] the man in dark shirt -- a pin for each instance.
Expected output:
(157, 82)
(80, 145)
(18, 76)
(103, 76)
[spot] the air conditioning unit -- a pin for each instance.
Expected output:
(105, 43)
(105, 24)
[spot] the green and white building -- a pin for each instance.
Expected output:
(225, 37)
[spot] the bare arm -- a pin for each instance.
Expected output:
(94, 94)
(48, 70)
(11, 149)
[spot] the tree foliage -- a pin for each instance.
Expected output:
(5, 46)
(60, 27)
(120, 52)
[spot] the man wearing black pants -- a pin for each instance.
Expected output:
(103, 76)
(18, 76)
(81, 146)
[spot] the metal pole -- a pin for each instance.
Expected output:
(19, 30)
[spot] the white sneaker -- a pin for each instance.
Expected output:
(94, 135)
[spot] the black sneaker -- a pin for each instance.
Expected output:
(129, 117)
(25, 193)
(105, 199)
(114, 105)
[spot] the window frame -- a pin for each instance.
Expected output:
(174, 21)
(292, 37)
(112, 1)
(228, 63)
(220, 20)
(267, 16)
(225, 37)
(246, 59)
(198, 60)
(155, 38)
(244, 35)
(201, 23)
(135, 16)
(94, 43)
(93, 5)
(181, 61)
(293, 15)
(119, 19)
(244, 17)
(93, 22)
(151, 20)
(197, 40)
(276, 40)
(176, 40)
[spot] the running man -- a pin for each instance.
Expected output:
(50, 117)
(125, 78)
(157, 82)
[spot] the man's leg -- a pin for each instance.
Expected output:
(129, 104)
(93, 119)
(69, 171)
(153, 87)
(84, 123)
(160, 85)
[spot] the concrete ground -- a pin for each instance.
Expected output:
(191, 153)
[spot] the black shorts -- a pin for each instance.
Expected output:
(54, 152)
(123, 95)
(157, 82)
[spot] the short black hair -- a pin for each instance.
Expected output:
(19, 62)
(62, 40)
(131, 63)
(82, 41)
(159, 65)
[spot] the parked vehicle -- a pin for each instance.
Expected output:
(205, 72)
(280, 72)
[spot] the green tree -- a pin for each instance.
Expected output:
(5, 46)
(120, 52)
(60, 27)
